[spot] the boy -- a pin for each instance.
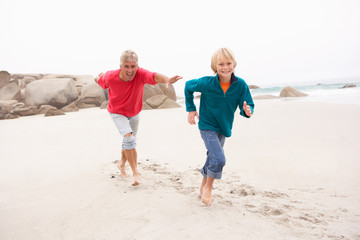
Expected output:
(220, 96)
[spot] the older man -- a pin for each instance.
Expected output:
(126, 87)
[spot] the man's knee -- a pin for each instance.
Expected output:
(129, 141)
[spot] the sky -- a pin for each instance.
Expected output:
(277, 41)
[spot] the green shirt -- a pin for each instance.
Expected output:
(216, 108)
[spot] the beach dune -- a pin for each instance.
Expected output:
(292, 172)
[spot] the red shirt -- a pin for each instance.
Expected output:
(126, 98)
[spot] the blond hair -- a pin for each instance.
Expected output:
(128, 56)
(225, 52)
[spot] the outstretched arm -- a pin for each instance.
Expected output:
(98, 77)
(159, 78)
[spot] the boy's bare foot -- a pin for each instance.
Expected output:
(136, 180)
(121, 166)
(202, 186)
(206, 196)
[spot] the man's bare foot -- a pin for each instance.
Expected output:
(136, 180)
(206, 196)
(121, 166)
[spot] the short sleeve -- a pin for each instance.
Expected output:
(147, 76)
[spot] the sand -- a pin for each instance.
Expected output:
(292, 172)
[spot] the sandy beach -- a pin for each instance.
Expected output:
(292, 172)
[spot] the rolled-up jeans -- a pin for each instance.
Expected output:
(127, 125)
(215, 157)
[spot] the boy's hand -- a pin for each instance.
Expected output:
(191, 117)
(247, 109)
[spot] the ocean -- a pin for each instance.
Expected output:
(322, 92)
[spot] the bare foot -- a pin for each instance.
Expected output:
(121, 166)
(206, 196)
(136, 180)
(202, 186)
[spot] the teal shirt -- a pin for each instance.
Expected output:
(216, 108)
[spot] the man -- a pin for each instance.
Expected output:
(126, 87)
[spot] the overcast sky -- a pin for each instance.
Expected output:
(274, 41)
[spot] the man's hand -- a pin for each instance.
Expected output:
(172, 80)
(191, 117)
(247, 109)
(98, 77)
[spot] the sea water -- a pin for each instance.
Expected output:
(322, 92)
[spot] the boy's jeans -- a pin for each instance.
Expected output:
(215, 160)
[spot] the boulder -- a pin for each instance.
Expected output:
(44, 108)
(25, 111)
(57, 92)
(169, 103)
(7, 106)
(151, 90)
(146, 106)
(253, 87)
(72, 107)
(350, 85)
(170, 92)
(156, 101)
(85, 79)
(54, 112)
(47, 76)
(10, 91)
(291, 92)
(92, 94)
(4, 78)
(104, 105)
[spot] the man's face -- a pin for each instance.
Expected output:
(128, 71)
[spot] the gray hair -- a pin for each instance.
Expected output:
(128, 56)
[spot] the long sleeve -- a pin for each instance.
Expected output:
(191, 86)
(246, 96)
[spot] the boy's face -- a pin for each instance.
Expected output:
(224, 67)
(128, 71)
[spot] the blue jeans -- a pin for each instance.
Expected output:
(215, 159)
(127, 125)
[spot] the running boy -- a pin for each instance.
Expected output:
(220, 96)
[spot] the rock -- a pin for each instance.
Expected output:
(7, 106)
(82, 105)
(72, 107)
(151, 90)
(85, 79)
(169, 103)
(146, 106)
(54, 112)
(291, 92)
(253, 87)
(25, 81)
(170, 92)
(57, 92)
(44, 108)
(350, 85)
(104, 105)
(25, 111)
(92, 94)
(156, 101)
(10, 91)
(4, 78)
(51, 76)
